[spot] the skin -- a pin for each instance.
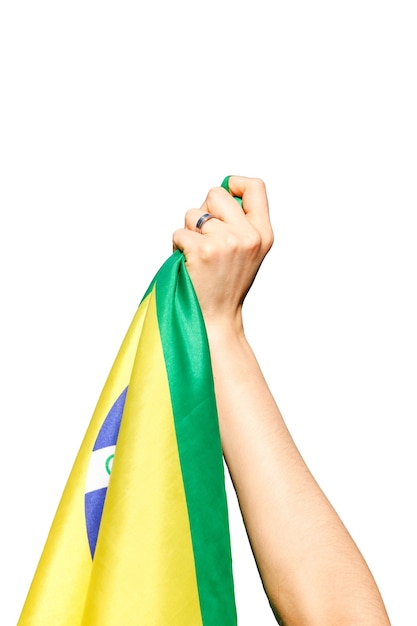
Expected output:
(312, 571)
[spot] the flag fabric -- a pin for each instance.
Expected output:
(141, 534)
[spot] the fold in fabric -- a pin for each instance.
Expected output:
(141, 534)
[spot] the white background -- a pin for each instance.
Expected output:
(116, 117)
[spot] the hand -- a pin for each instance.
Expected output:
(223, 259)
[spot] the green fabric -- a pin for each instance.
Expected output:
(225, 185)
(188, 364)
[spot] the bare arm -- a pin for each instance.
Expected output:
(311, 569)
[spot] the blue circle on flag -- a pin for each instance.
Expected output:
(94, 500)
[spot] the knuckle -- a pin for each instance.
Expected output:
(207, 250)
(254, 239)
(214, 194)
(189, 215)
(258, 183)
(268, 240)
(176, 235)
(231, 243)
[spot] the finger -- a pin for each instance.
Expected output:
(253, 190)
(185, 240)
(192, 219)
(254, 203)
(221, 204)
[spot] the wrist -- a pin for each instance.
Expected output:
(228, 345)
(224, 330)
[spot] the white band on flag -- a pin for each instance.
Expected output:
(100, 468)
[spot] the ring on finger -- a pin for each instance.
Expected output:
(202, 220)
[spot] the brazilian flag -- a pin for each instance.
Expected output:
(141, 534)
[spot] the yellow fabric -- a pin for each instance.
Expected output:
(143, 569)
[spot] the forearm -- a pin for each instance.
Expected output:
(312, 571)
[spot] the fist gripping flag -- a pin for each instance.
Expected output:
(141, 535)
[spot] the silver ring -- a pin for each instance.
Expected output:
(202, 220)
